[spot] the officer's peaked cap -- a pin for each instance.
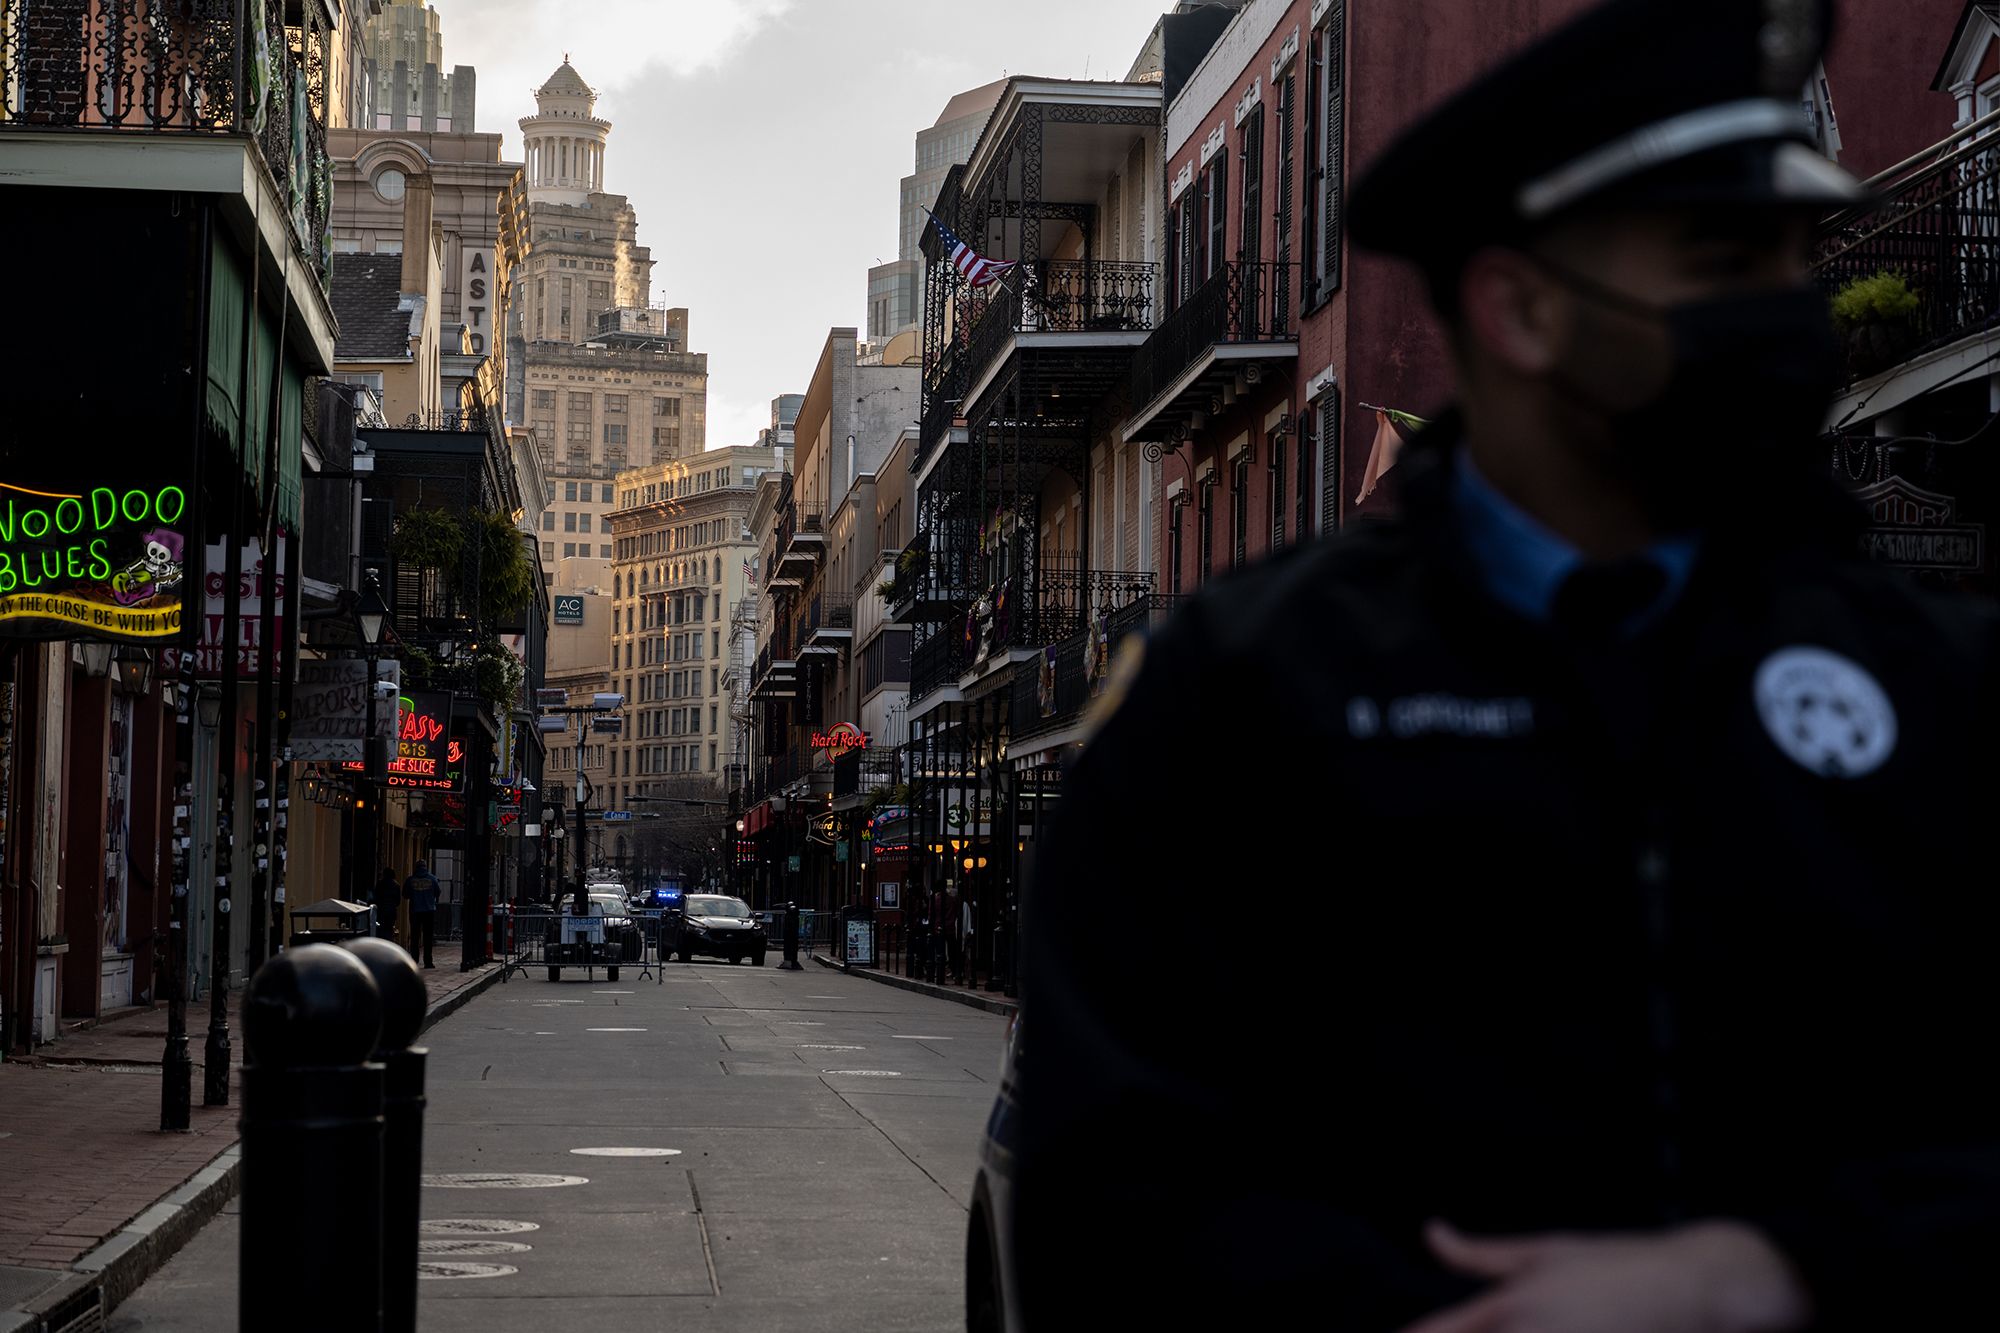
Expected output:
(1640, 102)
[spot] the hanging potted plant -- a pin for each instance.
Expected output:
(1876, 316)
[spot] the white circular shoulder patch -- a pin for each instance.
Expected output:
(1825, 712)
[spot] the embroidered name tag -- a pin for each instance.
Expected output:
(1418, 715)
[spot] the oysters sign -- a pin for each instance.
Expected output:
(98, 562)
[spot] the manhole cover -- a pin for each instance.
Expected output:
(626, 1152)
(455, 1246)
(474, 1226)
(432, 1270)
(500, 1180)
(863, 1073)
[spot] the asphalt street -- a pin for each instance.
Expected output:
(729, 1148)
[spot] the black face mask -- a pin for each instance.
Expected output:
(1752, 375)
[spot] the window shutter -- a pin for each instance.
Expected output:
(1250, 226)
(1329, 464)
(1218, 215)
(1330, 184)
(1287, 114)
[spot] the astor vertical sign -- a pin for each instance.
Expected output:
(475, 297)
(103, 562)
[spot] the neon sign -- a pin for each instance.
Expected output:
(428, 757)
(844, 739)
(103, 564)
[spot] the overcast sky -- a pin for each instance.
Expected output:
(762, 141)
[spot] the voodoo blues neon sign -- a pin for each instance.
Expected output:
(105, 563)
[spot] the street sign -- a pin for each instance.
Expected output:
(551, 698)
(607, 726)
(616, 816)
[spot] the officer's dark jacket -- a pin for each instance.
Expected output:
(1374, 903)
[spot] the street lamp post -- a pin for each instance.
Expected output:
(371, 616)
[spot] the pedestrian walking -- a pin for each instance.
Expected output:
(422, 890)
(1645, 817)
(388, 904)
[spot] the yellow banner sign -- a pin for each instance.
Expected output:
(101, 617)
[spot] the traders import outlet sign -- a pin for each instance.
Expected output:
(103, 562)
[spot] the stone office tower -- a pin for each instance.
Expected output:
(408, 86)
(610, 381)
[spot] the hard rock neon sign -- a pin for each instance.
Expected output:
(841, 741)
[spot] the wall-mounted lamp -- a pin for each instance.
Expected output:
(135, 670)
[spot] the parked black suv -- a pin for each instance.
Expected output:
(715, 927)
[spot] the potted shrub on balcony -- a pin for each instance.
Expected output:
(1876, 316)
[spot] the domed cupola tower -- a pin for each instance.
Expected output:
(565, 141)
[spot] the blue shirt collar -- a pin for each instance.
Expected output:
(1524, 564)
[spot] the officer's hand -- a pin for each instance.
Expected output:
(1709, 1277)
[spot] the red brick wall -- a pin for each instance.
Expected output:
(1880, 68)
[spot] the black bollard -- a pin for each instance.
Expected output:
(312, 1146)
(404, 1003)
(791, 963)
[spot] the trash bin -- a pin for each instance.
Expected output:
(330, 921)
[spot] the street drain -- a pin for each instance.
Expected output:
(435, 1271)
(626, 1152)
(501, 1180)
(474, 1226)
(463, 1247)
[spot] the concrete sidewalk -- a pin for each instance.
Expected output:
(97, 1196)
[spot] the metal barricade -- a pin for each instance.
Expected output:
(559, 940)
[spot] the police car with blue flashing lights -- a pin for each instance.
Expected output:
(713, 925)
(991, 1304)
(662, 897)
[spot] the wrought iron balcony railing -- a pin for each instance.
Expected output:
(833, 611)
(1064, 296)
(1053, 693)
(937, 662)
(1240, 303)
(468, 420)
(1043, 606)
(796, 521)
(1937, 227)
(182, 67)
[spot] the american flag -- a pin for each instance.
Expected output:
(749, 574)
(979, 271)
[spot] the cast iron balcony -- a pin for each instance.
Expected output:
(1937, 227)
(181, 68)
(936, 663)
(1243, 314)
(1051, 694)
(801, 538)
(830, 621)
(1064, 310)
